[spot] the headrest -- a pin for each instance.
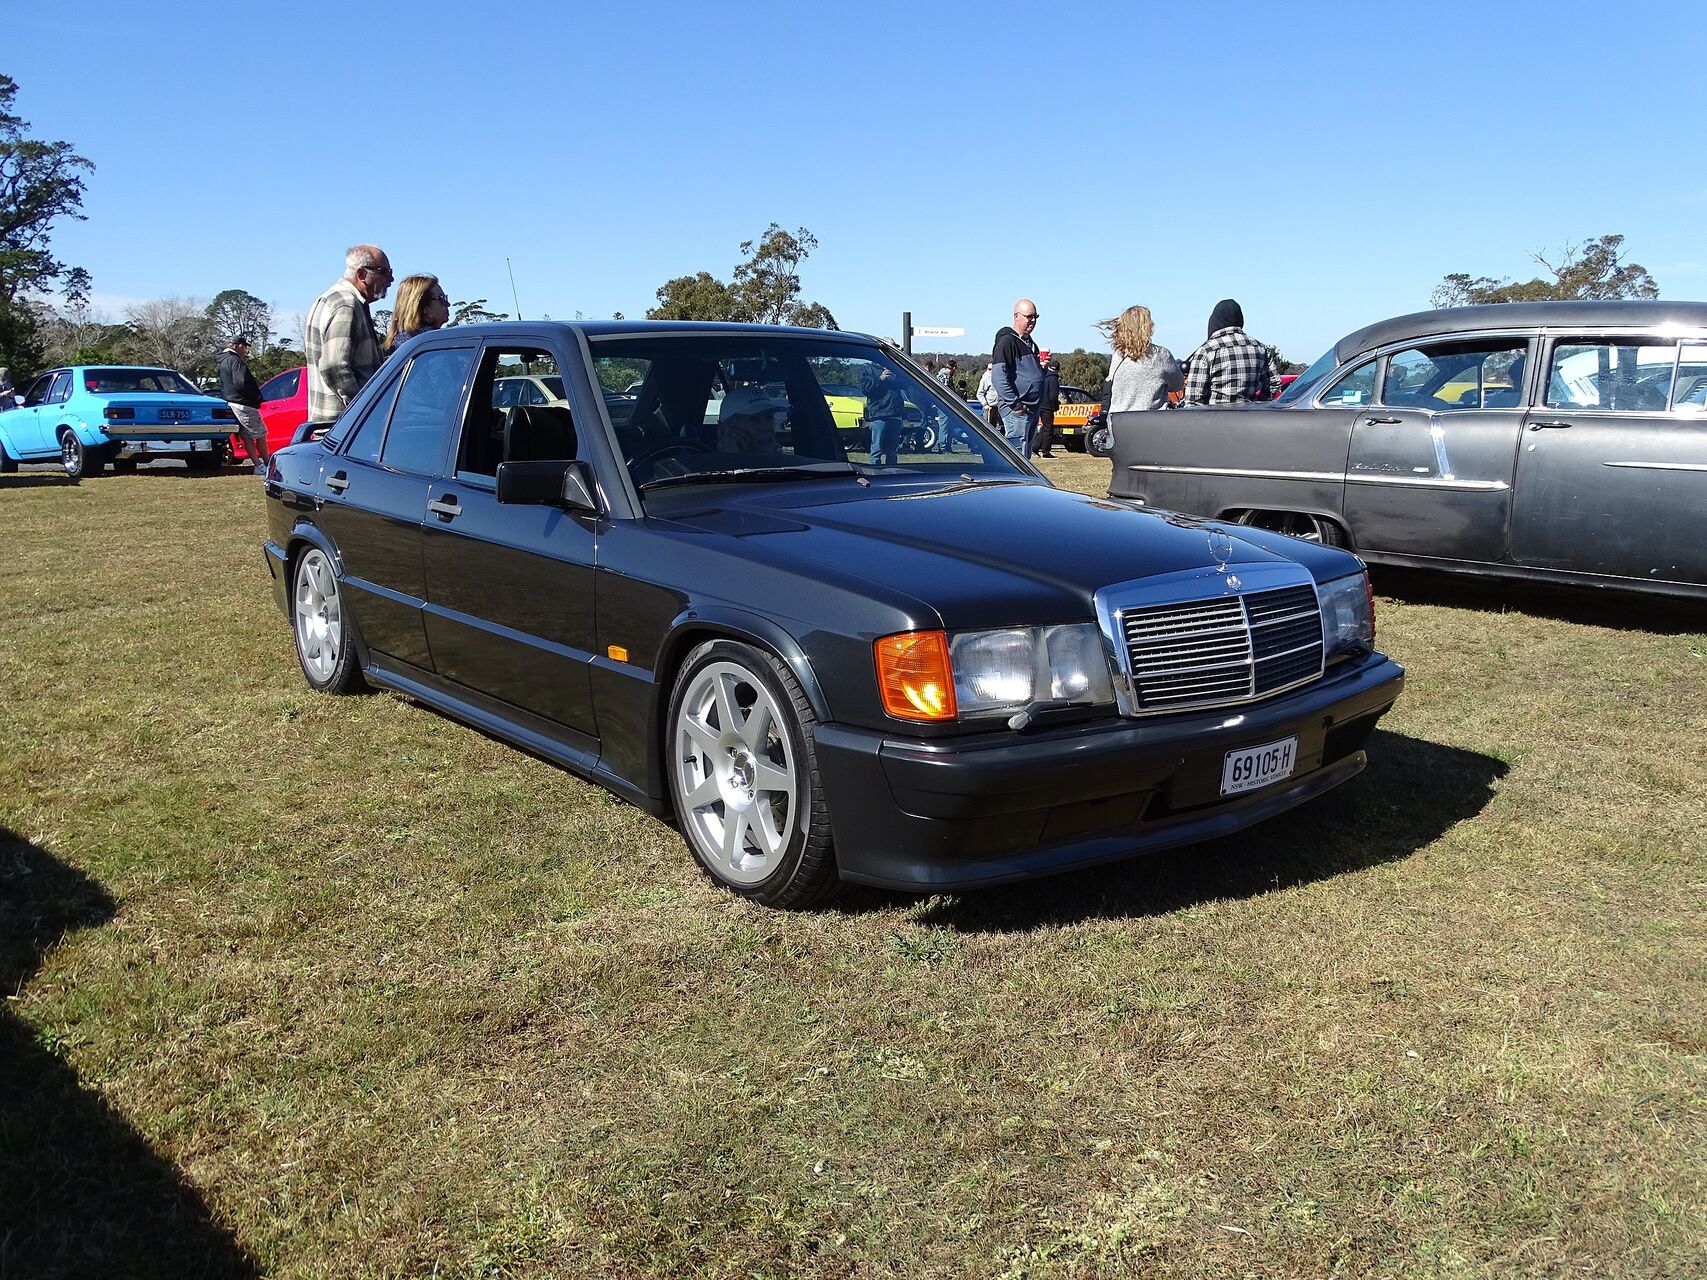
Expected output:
(538, 433)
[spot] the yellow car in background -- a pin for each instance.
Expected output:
(1077, 405)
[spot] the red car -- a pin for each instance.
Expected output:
(284, 408)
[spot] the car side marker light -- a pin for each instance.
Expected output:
(914, 676)
(616, 653)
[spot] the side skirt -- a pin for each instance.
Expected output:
(530, 733)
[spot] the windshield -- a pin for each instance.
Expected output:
(1304, 384)
(708, 407)
(107, 381)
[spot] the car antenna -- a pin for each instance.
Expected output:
(515, 301)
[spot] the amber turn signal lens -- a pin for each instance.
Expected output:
(914, 676)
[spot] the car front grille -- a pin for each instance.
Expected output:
(1209, 653)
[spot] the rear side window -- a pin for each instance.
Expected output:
(1628, 375)
(61, 389)
(1689, 388)
(428, 407)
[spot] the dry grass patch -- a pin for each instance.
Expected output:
(311, 987)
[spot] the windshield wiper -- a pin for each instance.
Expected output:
(755, 475)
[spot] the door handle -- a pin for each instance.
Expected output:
(337, 482)
(1382, 422)
(1551, 424)
(449, 508)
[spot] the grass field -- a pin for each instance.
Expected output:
(304, 986)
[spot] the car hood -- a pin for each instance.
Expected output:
(985, 554)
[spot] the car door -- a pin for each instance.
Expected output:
(1612, 473)
(510, 587)
(376, 492)
(27, 426)
(1430, 467)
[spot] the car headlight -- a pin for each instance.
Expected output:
(1348, 615)
(927, 675)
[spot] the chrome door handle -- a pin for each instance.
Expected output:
(1551, 424)
(1382, 422)
(449, 510)
(338, 482)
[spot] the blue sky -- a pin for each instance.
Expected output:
(1323, 164)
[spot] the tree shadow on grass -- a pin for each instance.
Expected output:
(1586, 606)
(1412, 792)
(81, 1193)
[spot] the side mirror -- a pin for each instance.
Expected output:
(547, 484)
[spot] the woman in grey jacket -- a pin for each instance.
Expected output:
(1143, 373)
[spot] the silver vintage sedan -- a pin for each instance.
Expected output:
(1564, 441)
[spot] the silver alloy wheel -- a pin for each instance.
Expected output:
(71, 454)
(736, 770)
(319, 616)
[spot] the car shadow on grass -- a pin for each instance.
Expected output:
(1412, 792)
(83, 1194)
(36, 480)
(1586, 606)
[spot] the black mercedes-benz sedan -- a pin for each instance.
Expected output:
(674, 575)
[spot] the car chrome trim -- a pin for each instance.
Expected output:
(1429, 482)
(1332, 477)
(1193, 640)
(1659, 466)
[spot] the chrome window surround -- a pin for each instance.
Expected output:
(1227, 642)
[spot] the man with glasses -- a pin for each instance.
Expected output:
(1017, 377)
(339, 343)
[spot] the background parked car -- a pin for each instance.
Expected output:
(1547, 440)
(284, 408)
(88, 416)
(1072, 419)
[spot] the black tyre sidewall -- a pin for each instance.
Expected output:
(779, 888)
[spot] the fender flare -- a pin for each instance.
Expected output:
(696, 625)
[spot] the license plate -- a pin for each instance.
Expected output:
(1252, 767)
(1069, 431)
(175, 415)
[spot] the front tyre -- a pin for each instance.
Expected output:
(324, 632)
(744, 777)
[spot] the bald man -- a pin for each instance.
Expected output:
(1017, 377)
(340, 344)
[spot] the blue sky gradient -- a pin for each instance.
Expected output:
(1323, 164)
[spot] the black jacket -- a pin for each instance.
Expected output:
(236, 384)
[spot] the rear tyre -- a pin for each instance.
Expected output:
(80, 460)
(324, 632)
(744, 777)
(124, 466)
(203, 462)
(8, 463)
(1298, 524)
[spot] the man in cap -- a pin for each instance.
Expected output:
(1043, 444)
(238, 388)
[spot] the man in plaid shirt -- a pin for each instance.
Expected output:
(1231, 367)
(339, 342)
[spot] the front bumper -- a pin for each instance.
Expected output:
(937, 814)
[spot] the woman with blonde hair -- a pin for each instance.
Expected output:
(421, 305)
(1142, 373)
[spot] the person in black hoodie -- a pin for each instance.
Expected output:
(1017, 377)
(1043, 443)
(237, 387)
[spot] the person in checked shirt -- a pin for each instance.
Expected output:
(1231, 367)
(339, 343)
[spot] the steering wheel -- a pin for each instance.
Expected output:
(670, 449)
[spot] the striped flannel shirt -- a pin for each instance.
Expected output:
(1231, 368)
(341, 350)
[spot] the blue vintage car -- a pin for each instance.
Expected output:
(90, 415)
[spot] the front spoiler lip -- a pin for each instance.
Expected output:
(903, 809)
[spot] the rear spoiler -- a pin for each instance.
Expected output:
(311, 431)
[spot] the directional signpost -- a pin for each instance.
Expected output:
(924, 331)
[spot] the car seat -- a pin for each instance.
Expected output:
(538, 433)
